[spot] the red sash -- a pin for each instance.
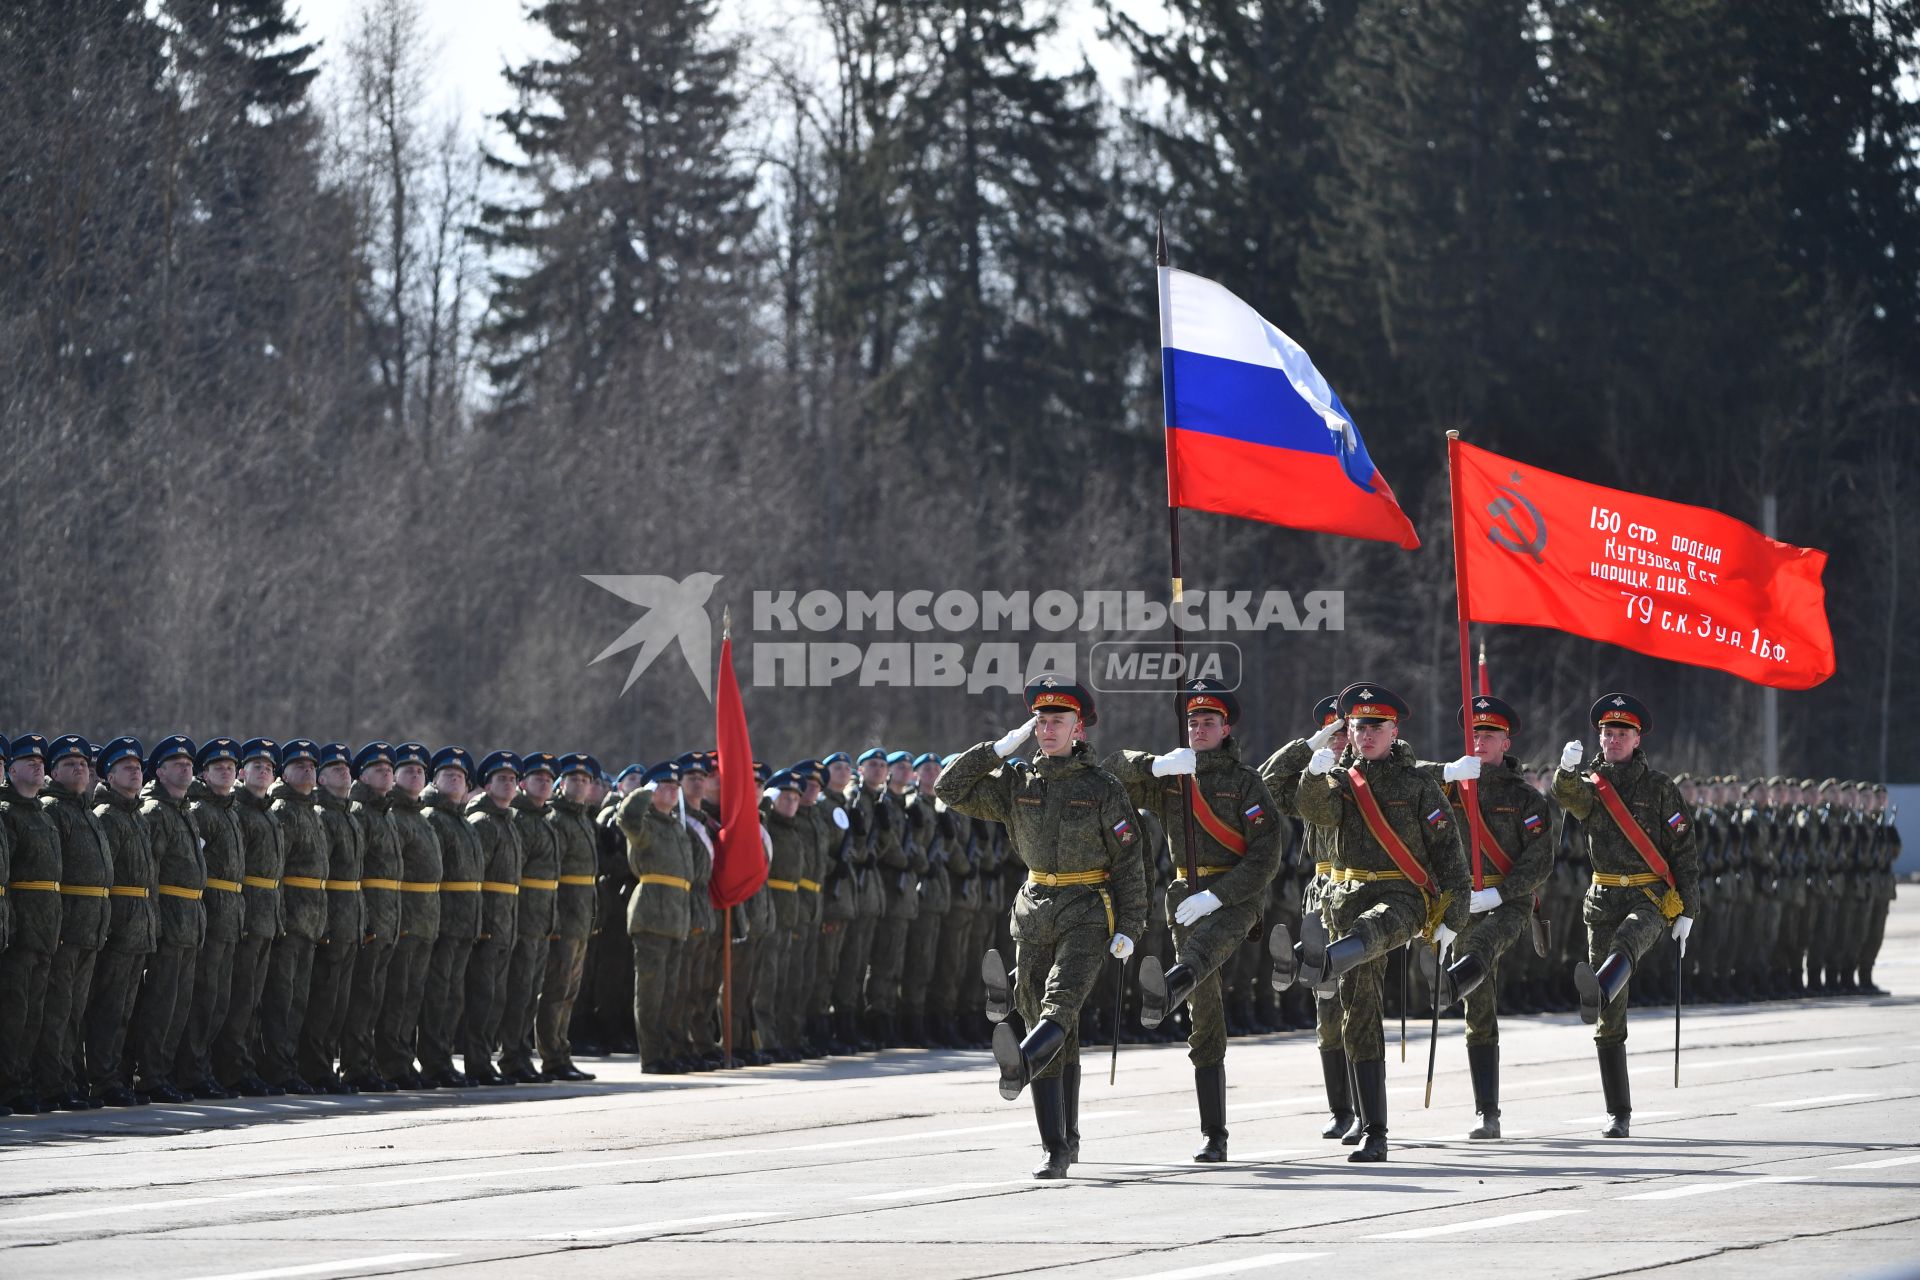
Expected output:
(1636, 834)
(1470, 801)
(1209, 821)
(1386, 836)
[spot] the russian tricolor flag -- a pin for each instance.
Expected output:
(1254, 431)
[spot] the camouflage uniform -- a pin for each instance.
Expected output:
(500, 861)
(86, 871)
(34, 894)
(333, 959)
(303, 897)
(382, 870)
(935, 901)
(533, 933)
(839, 904)
(463, 911)
(954, 962)
(870, 904)
(573, 928)
(608, 994)
(660, 857)
(131, 933)
(166, 996)
(235, 1060)
(421, 871)
(898, 864)
(1283, 772)
(793, 842)
(218, 825)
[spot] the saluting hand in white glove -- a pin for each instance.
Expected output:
(1009, 744)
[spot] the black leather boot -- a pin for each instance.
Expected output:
(1601, 987)
(1483, 1064)
(1371, 1079)
(1460, 978)
(1021, 1060)
(1318, 968)
(1333, 1069)
(1162, 993)
(1070, 1081)
(1050, 1114)
(1619, 1093)
(1210, 1086)
(1351, 1138)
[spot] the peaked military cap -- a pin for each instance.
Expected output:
(1052, 693)
(116, 751)
(412, 753)
(497, 761)
(216, 749)
(1327, 710)
(298, 749)
(1209, 695)
(28, 746)
(454, 758)
(169, 748)
(539, 762)
(1372, 703)
(371, 754)
(665, 771)
(72, 744)
(1490, 712)
(336, 753)
(260, 749)
(1622, 709)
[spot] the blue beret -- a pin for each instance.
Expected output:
(628, 772)
(539, 762)
(336, 753)
(838, 757)
(899, 757)
(925, 757)
(412, 753)
(216, 749)
(169, 748)
(116, 751)
(453, 758)
(258, 748)
(28, 746)
(70, 744)
(375, 752)
(665, 771)
(873, 753)
(298, 749)
(497, 761)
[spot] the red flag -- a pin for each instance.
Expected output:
(739, 858)
(1677, 582)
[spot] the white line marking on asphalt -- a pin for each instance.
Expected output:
(1638, 1115)
(1478, 1224)
(670, 1224)
(175, 1111)
(1792, 1103)
(104, 1211)
(1693, 1061)
(1255, 1263)
(1711, 1188)
(916, 1193)
(1882, 1164)
(326, 1268)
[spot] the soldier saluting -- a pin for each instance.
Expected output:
(1638, 833)
(1236, 855)
(1085, 895)
(1398, 872)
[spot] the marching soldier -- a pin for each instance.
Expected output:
(490, 815)
(1283, 772)
(1638, 837)
(1398, 873)
(571, 814)
(235, 1064)
(1516, 848)
(533, 927)
(212, 805)
(1085, 895)
(86, 872)
(1236, 855)
(382, 870)
(131, 928)
(660, 856)
(421, 873)
(463, 915)
(334, 958)
(166, 997)
(303, 894)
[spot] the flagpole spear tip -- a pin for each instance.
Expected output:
(1453, 435)
(726, 622)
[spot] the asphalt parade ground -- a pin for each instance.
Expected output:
(1792, 1148)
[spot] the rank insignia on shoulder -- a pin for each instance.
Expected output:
(1437, 819)
(1124, 830)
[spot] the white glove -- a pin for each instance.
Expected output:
(1681, 928)
(1007, 745)
(1465, 769)
(1204, 903)
(1443, 938)
(1484, 900)
(1322, 762)
(1121, 947)
(1570, 756)
(1325, 735)
(1177, 761)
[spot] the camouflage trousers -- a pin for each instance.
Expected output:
(1623, 920)
(850, 981)
(212, 991)
(160, 1014)
(1060, 946)
(953, 964)
(1489, 936)
(559, 996)
(283, 1006)
(923, 955)
(830, 939)
(442, 999)
(63, 1024)
(1383, 919)
(116, 986)
(397, 1030)
(796, 982)
(1205, 947)
(887, 963)
(653, 961)
(233, 1047)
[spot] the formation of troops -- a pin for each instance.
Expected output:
(226, 918)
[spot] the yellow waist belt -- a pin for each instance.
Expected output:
(548, 885)
(39, 886)
(674, 881)
(1344, 875)
(419, 886)
(1490, 878)
(344, 886)
(1323, 868)
(87, 890)
(225, 886)
(128, 891)
(459, 886)
(496, 886)
(1626, 882)
(579, 880)
(811, 886)
(260, 882)
(784, 886)
(374, 882)
(178, 891)
(1054, 879)
(303, 882)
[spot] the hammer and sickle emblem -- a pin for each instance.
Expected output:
(1507, 531)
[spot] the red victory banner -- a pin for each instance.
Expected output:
(1683, 583)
